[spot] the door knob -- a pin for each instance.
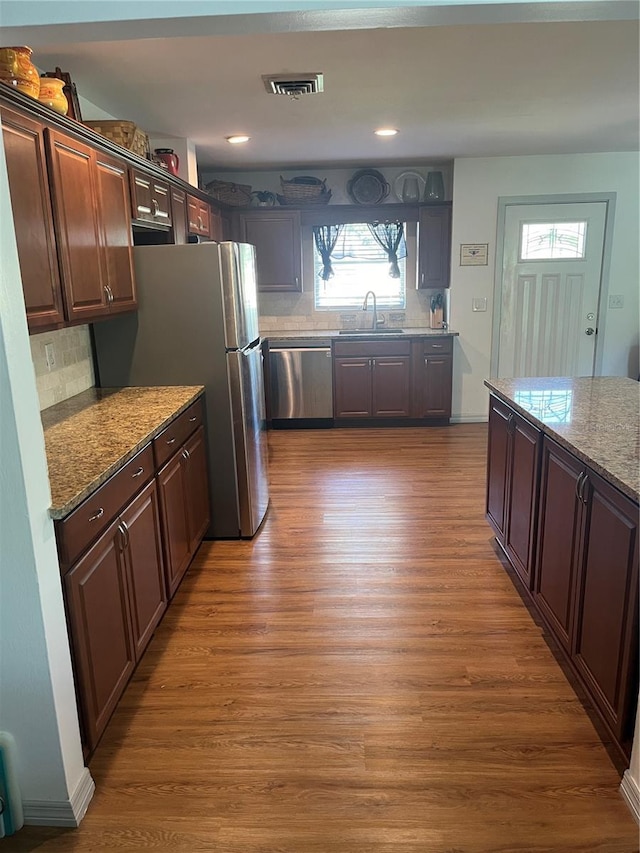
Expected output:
(589, 331)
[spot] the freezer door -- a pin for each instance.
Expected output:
(239, 293)
(249, 426)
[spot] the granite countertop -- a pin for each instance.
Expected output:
(330, 334)
(90, 436)
(597, 419)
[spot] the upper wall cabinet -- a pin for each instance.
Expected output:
(434, 246)
(33, 219)
(198, 217)
(150, 200)
(276, 236)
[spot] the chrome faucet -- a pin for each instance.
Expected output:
(375, 309)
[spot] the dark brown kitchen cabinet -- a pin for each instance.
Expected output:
(372, 379)
(586, 583)
(432, 377)
(179, 215)
(198, 217)
(33, 219)
(150, 199)
(513, 461)
(276, 236)
(220, 225)
(434, 246)
(93, 229)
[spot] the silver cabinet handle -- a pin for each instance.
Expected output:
(171, 441)
(200, 225)
(137, 473)
(193, 419)
(125, 530)
(422, 279)
(585, 480)
(108, 294)
(186, 455)
(97, 514)
(579, 483)
(155, 207)
(436, 346)
(123, 537)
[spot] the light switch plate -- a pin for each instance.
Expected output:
(479, 303)
(50, 356)
(616, 301)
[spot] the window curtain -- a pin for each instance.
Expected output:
(326, 237)
(390, 235)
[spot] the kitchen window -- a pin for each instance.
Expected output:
(359, 263)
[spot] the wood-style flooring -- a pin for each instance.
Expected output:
(362, 677)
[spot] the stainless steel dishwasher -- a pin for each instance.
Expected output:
(301, 380)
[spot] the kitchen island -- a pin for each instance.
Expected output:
(563, 480)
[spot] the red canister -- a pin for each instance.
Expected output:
(169, 158)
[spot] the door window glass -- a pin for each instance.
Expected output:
(545, 241)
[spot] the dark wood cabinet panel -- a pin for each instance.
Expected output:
(33, 219)
(179, 215)
(198, 217)
(220, 225)
(145, 566)
(98, 613)
(558, 540)
(150, 199)
(113, 194)
(78, 229)
(605, 646)
(497, 465)
(175, 521)
(434, 247)
(276, 236)
(391, 386)
(352, 388)
(519, 535)
(197, 488)
(438, 378)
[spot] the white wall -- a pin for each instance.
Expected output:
(37, 700)
(477, 185)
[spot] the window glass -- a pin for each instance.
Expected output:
(540, 241)
(359, 264)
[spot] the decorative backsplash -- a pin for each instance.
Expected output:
(72, 371)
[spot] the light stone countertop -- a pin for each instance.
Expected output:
(335, 334)
(597, 419)
(90, 436)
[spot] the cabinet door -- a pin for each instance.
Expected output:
(198, 217)
(145, 566)
(179, 215)
(352, 387)
(33, 220)
(276, 237)
(438, 375)
(558, 540)
(497, 465)
(218, 225)
(522, 496)
(197, 486)
(150, 199)
(434, 246)
(115, 216)
(78, 229)
(98, 613)
(605, 646)
(391, 394)
(175, 521)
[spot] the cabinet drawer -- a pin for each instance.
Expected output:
(371, 348)
(170, 439)
(76, 532)
(438, 346)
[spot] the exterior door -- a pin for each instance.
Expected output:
(551, 276)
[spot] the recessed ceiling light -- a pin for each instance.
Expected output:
(386, 131)
(238, 140)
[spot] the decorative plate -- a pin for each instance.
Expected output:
(403, 184)
(368, 186)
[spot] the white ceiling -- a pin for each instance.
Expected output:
(453, 90)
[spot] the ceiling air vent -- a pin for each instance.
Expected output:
(294, 85)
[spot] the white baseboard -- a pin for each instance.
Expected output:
(61, 812)
(631, 794)
(469, 419)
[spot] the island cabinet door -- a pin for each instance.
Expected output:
(605, 645)
(352, 387)
(98, 614)
(197, 488)
(559, 534)
(391, 386)
(520, 514)
(500, 417)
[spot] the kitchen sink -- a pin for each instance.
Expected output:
(371, 331)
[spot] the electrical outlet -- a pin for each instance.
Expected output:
(479, 303)
(50, 355)
(616, 301)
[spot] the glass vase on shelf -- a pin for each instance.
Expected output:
(434, 189)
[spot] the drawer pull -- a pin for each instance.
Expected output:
(436, 346)
(137, 473)
(97, 515)
(171, 441)
(193, 419)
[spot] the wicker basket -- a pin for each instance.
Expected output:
(323, 198)
(238, 195)
(124, 133)
(303, 190)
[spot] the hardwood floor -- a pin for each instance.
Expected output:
(362, 677)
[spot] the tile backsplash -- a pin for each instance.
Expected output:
(72, 372)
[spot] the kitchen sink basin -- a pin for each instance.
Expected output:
(371, 331)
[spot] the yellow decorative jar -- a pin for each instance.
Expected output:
(16, 69)
(52, 95)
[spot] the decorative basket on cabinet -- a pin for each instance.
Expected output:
(238, 195)
(124, 133)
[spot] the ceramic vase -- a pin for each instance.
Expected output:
(52, 95)
(16, 69)
(434, 189)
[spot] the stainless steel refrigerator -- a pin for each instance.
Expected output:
(197, 324)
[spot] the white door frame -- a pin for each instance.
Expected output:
(564, 198)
